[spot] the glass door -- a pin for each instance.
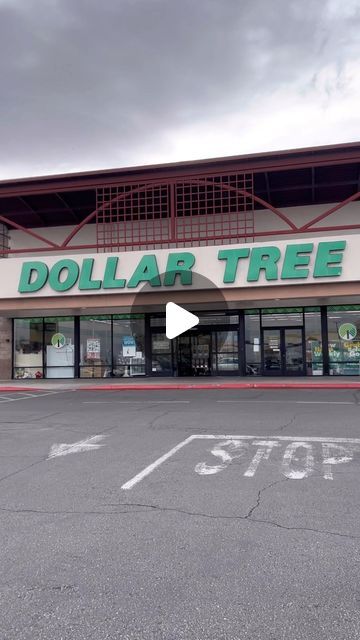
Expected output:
(294, 351)
(293, 340)
(200, 354)
(283, 351)
(184, 361)
(272, 357)
(194, 354)
(161, 354)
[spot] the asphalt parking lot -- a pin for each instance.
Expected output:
(222, 515)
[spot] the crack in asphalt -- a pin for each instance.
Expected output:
(259, 496)
(355, 395)
(152, 423)
(29, 466)
(145, 508)
(74, 513)
(282, 427)
(28, 423)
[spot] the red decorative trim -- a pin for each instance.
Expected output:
(327, 213)
(19, 227)
(257, 234)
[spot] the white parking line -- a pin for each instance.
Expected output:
(256, 439)
(321, 402)
(157, 463)
(290, 438)
(136, 402)
(19, 395)
(8, 399)
(218, 401)
(284, 402)
(31, 395)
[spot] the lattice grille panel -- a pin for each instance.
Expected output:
(215, 209)
(209, 210)
(132, 215)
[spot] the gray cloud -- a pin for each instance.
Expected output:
(88, 85)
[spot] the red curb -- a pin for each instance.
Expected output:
(196, 386)
(233, 385)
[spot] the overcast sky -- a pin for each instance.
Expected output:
(89, 84)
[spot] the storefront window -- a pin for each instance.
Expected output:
(59, 347)
(28, 348)
(313, 342)
(344, 340)
(252, 342)
(114, 345)
(128, 345)
(95, 346)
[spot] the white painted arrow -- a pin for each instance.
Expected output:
(89, 444)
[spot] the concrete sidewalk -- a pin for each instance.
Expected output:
(157, 384)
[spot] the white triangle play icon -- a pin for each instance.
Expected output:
(178, 320)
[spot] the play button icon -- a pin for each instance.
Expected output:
(178, 320)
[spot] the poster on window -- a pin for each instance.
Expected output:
(93, 349)
(128, 347)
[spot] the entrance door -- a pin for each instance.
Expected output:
(194, 354)
(184, 367)
(283, 351)
(294, 361)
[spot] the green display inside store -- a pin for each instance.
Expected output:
(290, 263)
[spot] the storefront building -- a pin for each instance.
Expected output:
(265, 249)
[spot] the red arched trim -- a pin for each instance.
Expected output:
(327, 213)
(19, 227)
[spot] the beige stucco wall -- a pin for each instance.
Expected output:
(266, 220)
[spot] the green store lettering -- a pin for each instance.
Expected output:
(66, 273)
(293, 264)
(266, 262)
